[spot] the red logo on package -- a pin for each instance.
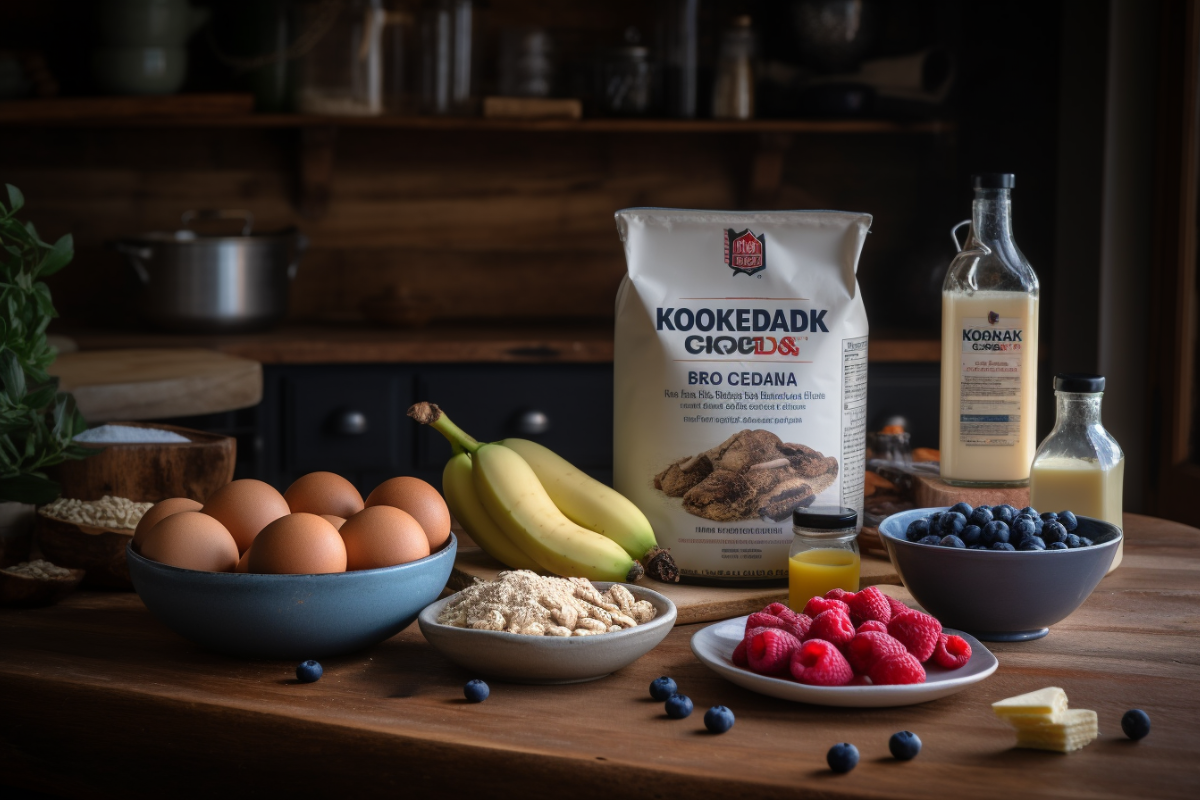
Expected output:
(744, 252)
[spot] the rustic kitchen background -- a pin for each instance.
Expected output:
(426, 229)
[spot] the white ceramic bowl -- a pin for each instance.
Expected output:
(519, 658)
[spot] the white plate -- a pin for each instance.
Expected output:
(714, 646)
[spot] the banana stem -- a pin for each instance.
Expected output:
(429, 414)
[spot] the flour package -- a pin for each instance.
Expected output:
(741, 380)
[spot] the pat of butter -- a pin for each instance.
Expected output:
(1077, 728)
(1043, 703)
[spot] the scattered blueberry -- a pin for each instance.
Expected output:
(995, 531)
(1054, 532)
(904, 745)
(1003, 546)
(842, 757)
(932, 538)
(1068, 520)
(1057, 546)
(309, 671)
(962, 508)
(952, 541)
(1136, 724)
(679, 706)
(918, 529)
(1023, 526)
(1029, 511)
(1005, 513)
(476, 691)
(1073, 541)
(981, 516)
(972, 535)
(662, 688)
(952, 524)
(718, 719)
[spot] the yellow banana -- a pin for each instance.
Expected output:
(515, 500)
(586, 501)
(470, 513)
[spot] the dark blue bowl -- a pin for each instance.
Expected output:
(290, 616)
(995, 595)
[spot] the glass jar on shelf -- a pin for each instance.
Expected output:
(342, 72)
(627, 79)
(450, 34)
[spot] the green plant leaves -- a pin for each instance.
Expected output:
(29, 488)
(59, 256)
(15, 199)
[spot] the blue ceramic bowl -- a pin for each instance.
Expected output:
(994, 595)
(290, 616)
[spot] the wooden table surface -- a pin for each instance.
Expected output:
(98, 699)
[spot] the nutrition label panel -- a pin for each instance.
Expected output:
(854, 421)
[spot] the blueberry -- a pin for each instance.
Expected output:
(662, 688)
(972, 534)
(1049, 516)
(995, 531)
(1057, 546)
(935, 520)
(952, 541)
(978, 547)
(932, 538)
(718, 719)
(981, 516)
(904, 745)
(476, 691)
(952, 524)
(1054, 532)
(1038, 524)
(309, 671)
(1073, 541)
(1067, 518)
(962, 508)
(1135, 723)
(1023, 526)
(1029, 511)
(1003, 546)
(917, 530)
(984, 506)
(1005, 513)
(842, 757)
(1032, 543)
(1085, 541)
(679, 706)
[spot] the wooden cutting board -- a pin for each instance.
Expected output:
(142, 384)
(693, 603)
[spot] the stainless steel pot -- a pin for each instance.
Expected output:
(214, 284)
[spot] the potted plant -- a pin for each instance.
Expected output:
(38, 423)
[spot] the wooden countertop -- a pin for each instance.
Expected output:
(338, 344)
(100, 700)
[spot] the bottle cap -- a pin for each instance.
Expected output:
(993, 180)
(1078, 382)
(825, 518)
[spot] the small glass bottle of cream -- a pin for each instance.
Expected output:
(824, 553)
(1079, 467)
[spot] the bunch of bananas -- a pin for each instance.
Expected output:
(531, 509)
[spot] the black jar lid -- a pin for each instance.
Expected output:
(993, 180)
(1078, 382)
(825, 518)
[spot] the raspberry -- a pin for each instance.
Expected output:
(819, 663)
(837, 593)
(777, 609)
(768, 653)
(951, 652)
(897, 669)
(872, 625)
(761, 619)
(869, 604)
(818, 604)
(917, 631)
(739, 655)
(860, 680)
(832, 626)
(896, 605)
(867, 648)
(800, 627)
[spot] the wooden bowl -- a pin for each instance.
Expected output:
(151, 471)
(25, 591)
(99, 551)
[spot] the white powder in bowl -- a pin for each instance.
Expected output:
(124, 434)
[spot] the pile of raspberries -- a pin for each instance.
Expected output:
(848, 639)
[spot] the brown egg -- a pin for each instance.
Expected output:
(243, 564)
(382, 536)
(324, 493)
(298, 544)
(245, 507)
(336, 522)
(191, 540)
(159, 511)
(421, 500)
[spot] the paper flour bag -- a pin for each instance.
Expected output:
(740, 379)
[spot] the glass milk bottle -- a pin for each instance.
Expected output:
(989, 349)
(1079, 467)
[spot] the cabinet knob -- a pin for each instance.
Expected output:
(532, 422)
(350, 422)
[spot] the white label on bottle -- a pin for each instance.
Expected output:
(990, 383)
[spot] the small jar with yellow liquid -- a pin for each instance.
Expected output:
(824, 553)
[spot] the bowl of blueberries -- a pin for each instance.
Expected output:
(1000, 573)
